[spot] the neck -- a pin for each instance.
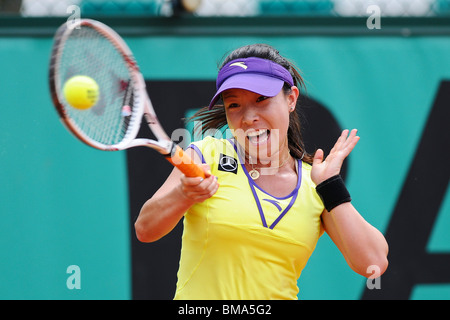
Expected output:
(275, 162)
(270, 169)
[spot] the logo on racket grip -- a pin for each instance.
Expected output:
(74, 18)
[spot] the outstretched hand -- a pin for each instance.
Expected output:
(331, 166)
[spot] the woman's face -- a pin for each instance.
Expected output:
(260, 123)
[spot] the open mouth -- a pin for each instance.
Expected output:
(258, 136)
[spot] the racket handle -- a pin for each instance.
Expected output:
(185, 164)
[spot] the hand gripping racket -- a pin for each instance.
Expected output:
(92, 49)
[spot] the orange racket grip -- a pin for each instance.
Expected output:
(185, 164)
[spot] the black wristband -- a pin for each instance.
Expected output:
(333, 192)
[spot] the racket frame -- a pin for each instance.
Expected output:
(143, 109)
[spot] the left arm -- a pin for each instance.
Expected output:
(361, 244)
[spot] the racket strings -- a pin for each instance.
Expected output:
(87, 52)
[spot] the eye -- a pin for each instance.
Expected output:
(232, 105)
(261, 98)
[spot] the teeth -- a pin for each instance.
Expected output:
(258, 136)
(256, 133)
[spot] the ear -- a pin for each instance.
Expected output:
(292, 98)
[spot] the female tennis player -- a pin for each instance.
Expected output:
(251, 225)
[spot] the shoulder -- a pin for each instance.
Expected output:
(208, 142)
(309, 187)
(210, 148)
(306, 172)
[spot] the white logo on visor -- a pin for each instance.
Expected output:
(239, 64)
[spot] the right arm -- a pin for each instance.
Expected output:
(162, 212)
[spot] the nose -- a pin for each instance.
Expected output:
(250, 115)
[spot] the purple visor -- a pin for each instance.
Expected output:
(258, 75)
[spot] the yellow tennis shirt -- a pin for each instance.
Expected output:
(243, 243)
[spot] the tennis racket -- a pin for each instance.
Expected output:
(90, 48)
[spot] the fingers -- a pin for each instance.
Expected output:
(324, 169)
(340, 141)
(350, 142)
(318, 157)
(346, 142)
(199, 189)
(194, 181)
(206, 169)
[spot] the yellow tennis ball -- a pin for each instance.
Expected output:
(81, 92)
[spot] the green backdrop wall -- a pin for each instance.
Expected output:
(62, 203)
